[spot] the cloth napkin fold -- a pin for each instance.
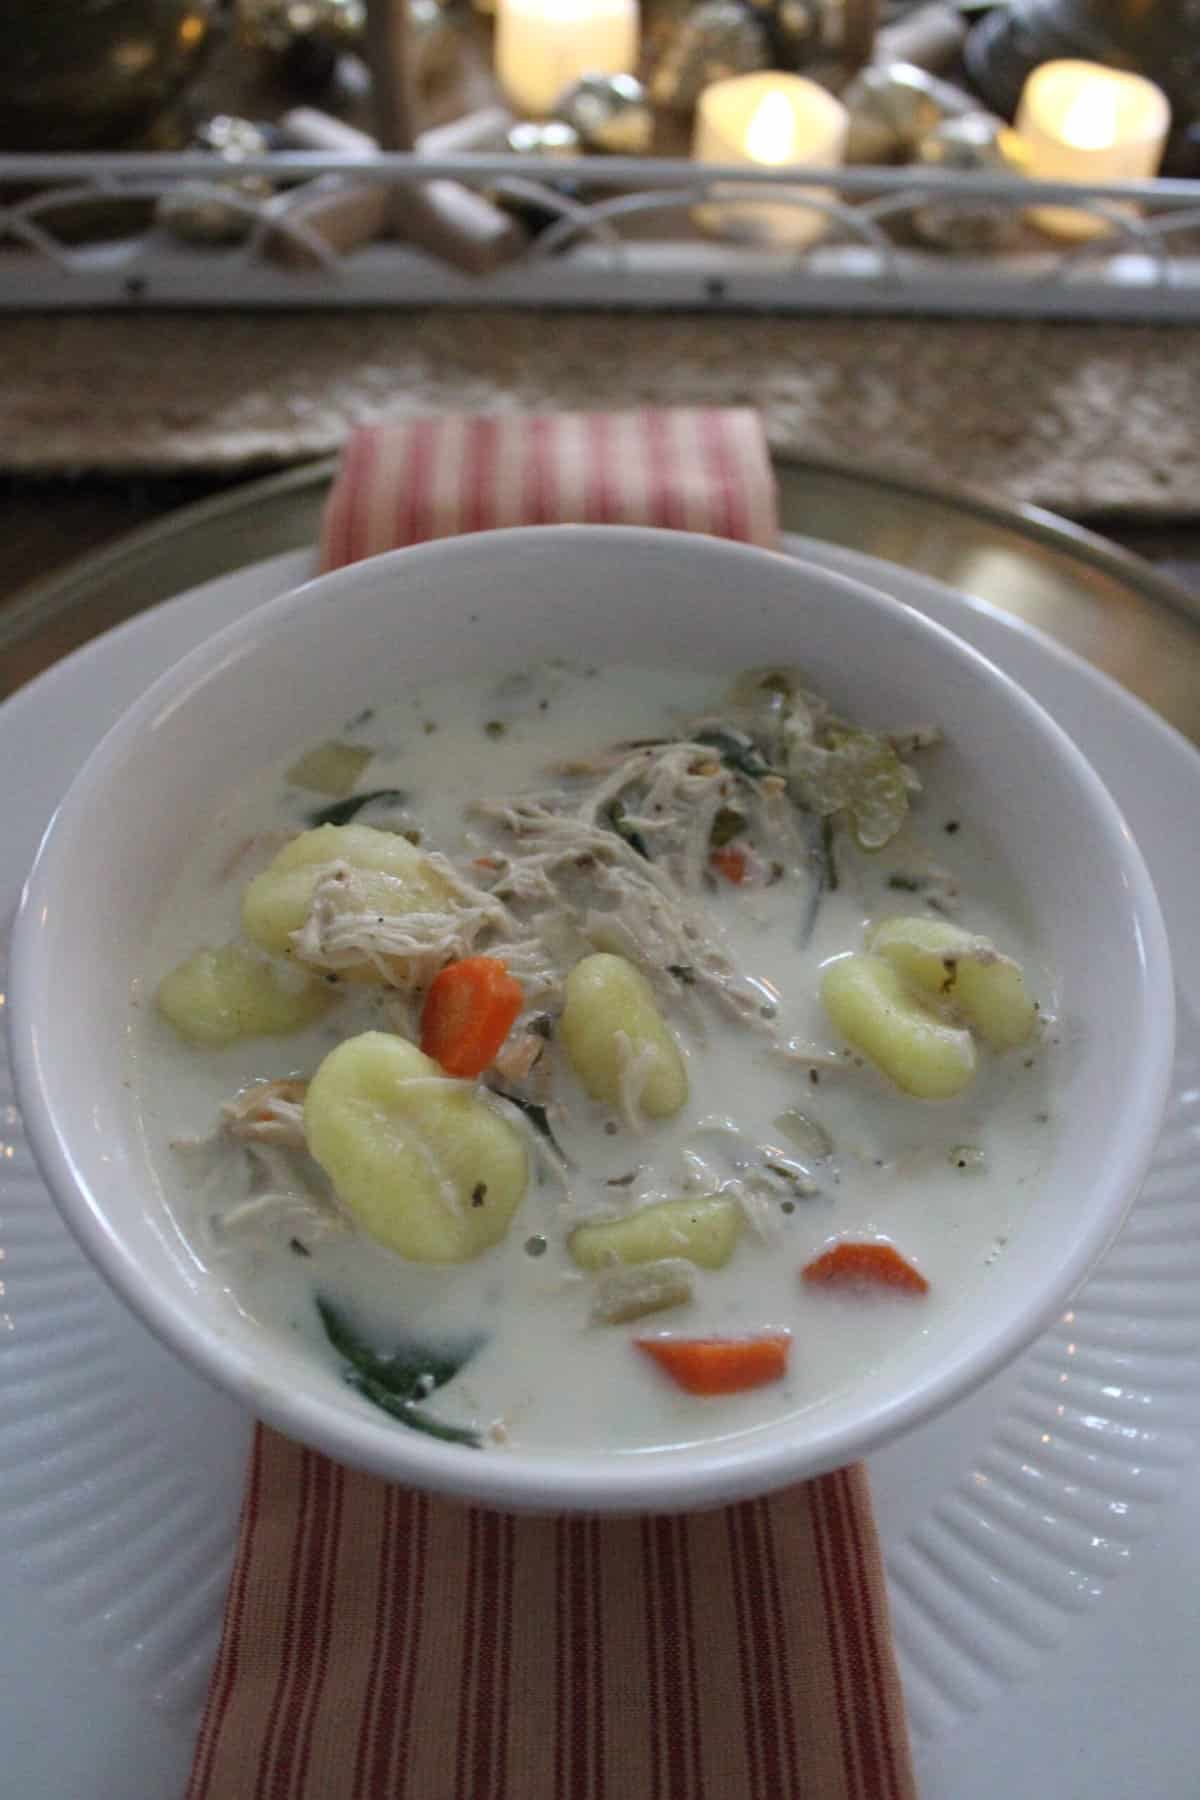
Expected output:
(383, 1644)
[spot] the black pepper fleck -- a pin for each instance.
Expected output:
(951, 827)
(478, 1193)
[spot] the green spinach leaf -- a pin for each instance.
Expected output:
(399, 1382)
(340, 812)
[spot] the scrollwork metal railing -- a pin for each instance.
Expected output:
(590, 245)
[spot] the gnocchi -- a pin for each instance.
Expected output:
(218, 996)
(418, 1159)
(873, 1008)
(702, 1231)
(394, 878)
(946, 962)
(617, 1040)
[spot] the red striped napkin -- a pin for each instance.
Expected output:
(688, 469)
(380, 1644)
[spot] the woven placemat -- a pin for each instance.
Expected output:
(1081, 418)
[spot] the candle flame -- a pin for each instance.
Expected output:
(771, 132)
(1090, 121)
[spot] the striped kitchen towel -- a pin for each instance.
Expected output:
(382, 1644)
(687, 469)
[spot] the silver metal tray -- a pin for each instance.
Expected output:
(1108, 606)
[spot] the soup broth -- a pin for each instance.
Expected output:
(790, 1125)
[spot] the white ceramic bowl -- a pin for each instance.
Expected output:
(290, 670)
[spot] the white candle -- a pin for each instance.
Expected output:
(1083, 122)
(771, 121)
(542, 46)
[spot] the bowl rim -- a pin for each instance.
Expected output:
(723, 1469)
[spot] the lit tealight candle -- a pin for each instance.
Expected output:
(1082, 122)
(543, 46)
(771, 121)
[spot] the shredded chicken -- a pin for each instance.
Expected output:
(270, 1112)
(570, 862)
(345, 932)
(623, 864)
(284, 1195)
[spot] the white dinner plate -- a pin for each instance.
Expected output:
(1040, 1537)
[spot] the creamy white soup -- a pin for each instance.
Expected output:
(597, 1058)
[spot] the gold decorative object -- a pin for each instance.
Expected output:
(974, 144)
(715, 40)
(75, 77)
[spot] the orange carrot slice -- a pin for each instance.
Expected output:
(865, 1265)
(730, 862)
(720, 1365)
(468, 1012)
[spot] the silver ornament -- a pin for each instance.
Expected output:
(974, 144)
(548, 138)
(278, 26)
(228, 136)
(304, 38)
(609, 114)
(716, 39)
(223, 210)
(894, 107)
